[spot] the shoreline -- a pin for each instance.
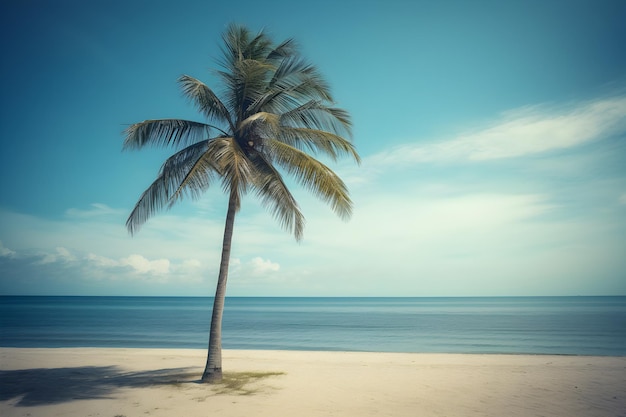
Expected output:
(182, 349)
(164, 382)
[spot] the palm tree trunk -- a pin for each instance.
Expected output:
(213, 369)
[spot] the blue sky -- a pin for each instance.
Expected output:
(493, 137)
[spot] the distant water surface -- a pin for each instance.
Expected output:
(532, 325)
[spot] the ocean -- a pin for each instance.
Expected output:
(513, 325)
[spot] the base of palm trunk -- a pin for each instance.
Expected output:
(212, 375)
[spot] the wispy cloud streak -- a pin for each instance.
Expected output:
(521, 132)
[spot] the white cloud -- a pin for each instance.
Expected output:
(101, 261)
(137, 263)
(494, 244)
(191, 264)
(4, 251)
(394, 224)
(144, 266)
(61, 255)
(622, 199)
(96, 210)
(431, 241)
(527, 131)
(169, 235)
(256, 266)
(262, 266)
(65, 254)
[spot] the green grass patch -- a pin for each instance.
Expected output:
(242, 383)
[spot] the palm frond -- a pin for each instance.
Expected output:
(302, 78)
(315, 115)
(283, 50)
(318, 141)
(240, 44)
(234, 39)
(245, 83)
(206, 100)
(293, 83)
(275, 196)
(251, 85)
(198, 178)
(259, 125)
(258, 48)
(282, 97)
(233, 165)
(313, 175)
(186, 166)
(165, 132)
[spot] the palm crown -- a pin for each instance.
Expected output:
(274, 108)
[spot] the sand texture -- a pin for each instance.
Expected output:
(99, 382)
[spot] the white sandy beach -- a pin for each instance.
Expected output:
(162, 382)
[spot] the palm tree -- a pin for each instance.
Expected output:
(274, 107)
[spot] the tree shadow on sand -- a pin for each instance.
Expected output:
(56, 385)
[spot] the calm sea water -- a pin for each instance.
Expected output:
(535, 325)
